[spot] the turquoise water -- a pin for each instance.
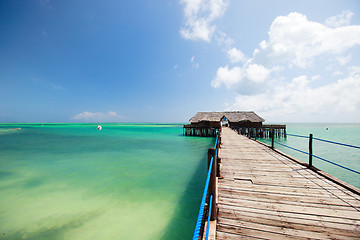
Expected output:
(343, 133)
(127, 181)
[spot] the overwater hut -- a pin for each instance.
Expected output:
(207, 123)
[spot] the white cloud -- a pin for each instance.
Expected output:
(97, 116)
(245, 80)
(112, 113)
(228, 77)
(298, 98)
(257, 73)
(269, 82)
(296, 41)
(199, 18)
(223, 40)
(342, 19)
(236, 55)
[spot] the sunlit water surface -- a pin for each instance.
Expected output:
(127, 181)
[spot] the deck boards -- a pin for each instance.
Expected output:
(264, 195)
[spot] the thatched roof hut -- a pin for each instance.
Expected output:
(232, 117)
(207, 123)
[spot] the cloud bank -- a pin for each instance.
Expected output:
(110, 116)
(320, 55)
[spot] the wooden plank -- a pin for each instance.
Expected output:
(250, 232)
(291, 198)
(262, 179)
(235, 180)
(326, 199)
(295, 175)
(290, 190)
(325, 220)
(231, 236)
(290, 174)
(292, 223)
(314, 202)
(296, 209)
(274, 232)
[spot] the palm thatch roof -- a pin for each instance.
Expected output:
(230, 116)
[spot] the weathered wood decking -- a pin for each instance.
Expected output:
(264, 195)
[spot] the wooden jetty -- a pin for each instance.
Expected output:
(262, 194)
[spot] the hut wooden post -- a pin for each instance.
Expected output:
(272, 138)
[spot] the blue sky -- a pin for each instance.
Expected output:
(163, 61)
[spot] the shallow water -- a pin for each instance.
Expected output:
(127, 181)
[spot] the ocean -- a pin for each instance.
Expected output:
(127, 181)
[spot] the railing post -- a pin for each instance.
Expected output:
(212, 183)
(218, 160)
(272, 138)
(310, 149)
(218, 145)
(209, 157)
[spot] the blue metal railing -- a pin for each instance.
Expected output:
(336, 164)
(342, 144)
(308, 153)
(208, 220)
(202, 205)
(295, 135)
(203, 200)
(292, 148)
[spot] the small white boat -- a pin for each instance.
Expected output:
(99, 127)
